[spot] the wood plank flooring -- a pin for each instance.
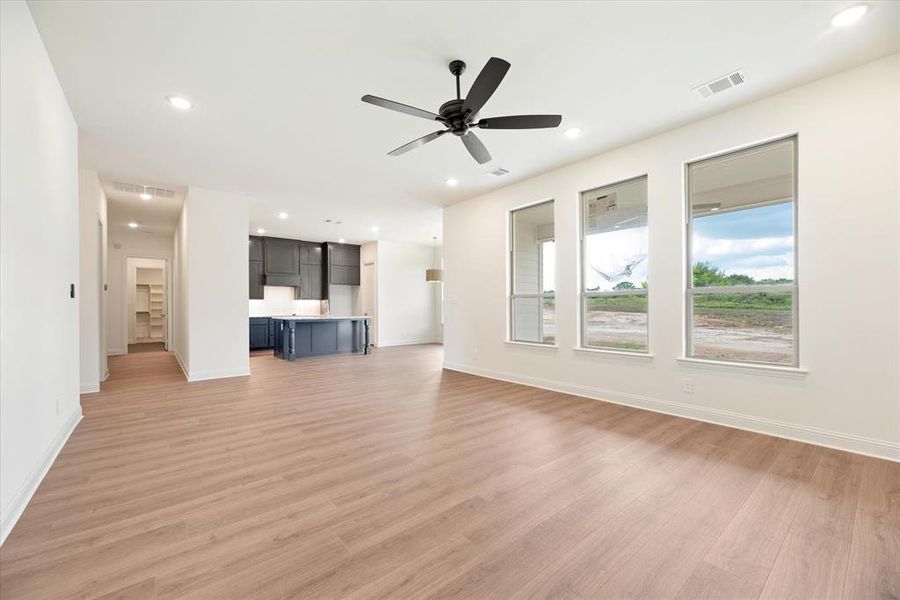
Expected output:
(386, 477)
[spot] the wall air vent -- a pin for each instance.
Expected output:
(720, 84)
(499, 172)
(133, 188)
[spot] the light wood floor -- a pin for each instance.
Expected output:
(384, 477)
(147, 347)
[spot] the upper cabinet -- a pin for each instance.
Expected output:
(311, 271)
(308, 267)
(282, 256)
(256, 268)
(256, 248)
(342, 262)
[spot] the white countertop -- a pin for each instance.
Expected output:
(318, 317)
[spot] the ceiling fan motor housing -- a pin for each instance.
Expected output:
(452, 114)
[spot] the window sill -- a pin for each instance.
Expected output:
(734, 367)
(532, 344)
(644, 355)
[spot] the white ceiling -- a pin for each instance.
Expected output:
(276, 88)
(157, 216)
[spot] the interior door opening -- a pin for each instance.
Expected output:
(146, 304)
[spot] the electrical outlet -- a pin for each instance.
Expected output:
(687, 385)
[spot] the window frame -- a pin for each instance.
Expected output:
(690, 291)
(583, 294)
(511, 296)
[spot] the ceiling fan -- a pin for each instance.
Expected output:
(459, 116)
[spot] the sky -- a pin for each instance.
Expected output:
(758, 242)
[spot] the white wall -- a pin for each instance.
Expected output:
(436, 290)
(93, 274)
(180, 294)
(123, 244)
(405, 301)
(39, 348)
(849, 227)
(279, 301)
(368, 287)
(214, 228)
(344, 300)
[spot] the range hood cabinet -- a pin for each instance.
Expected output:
(281, 280)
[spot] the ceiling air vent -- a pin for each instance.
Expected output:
(720, 84)
(133, 188)
(499, 172)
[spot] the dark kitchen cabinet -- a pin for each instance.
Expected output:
(310, 253)
(282, 257)
(342, 264)
(256, 269)
(256, 279)
(311, 282)
(259, 333)
(302, 265)
(256, 248)
(311, 271)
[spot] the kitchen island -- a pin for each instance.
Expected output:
(298, 336)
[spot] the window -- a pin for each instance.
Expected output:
(533, 271)
(741, 282)
(614, 279)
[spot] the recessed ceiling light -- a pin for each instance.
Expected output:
(179, 102)
(452, 182)
(849, 16)
(341, 241)
(260, 230)
(145, 196)
(572, 133)
(133, 225)
(374, 227)
(282, 215)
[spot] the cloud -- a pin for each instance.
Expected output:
(714, 248)
(760, 258)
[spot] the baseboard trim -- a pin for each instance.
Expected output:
(406, 343)
(23, 496)
(792, 431)
(181, 364)
(207, 375)
(91, 387)
(117, 352)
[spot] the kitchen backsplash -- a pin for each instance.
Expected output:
(279, 301)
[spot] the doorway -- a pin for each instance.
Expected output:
(146, 302)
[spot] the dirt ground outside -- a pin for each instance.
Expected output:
(755, 335)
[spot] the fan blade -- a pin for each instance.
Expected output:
(416, 143)
(520, 122)
(485, 85)
(476, 148)
(404, 108)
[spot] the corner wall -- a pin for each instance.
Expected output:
(211, 285)
(180, 298)
(39, 347)
(849, 272)
(93, 274)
